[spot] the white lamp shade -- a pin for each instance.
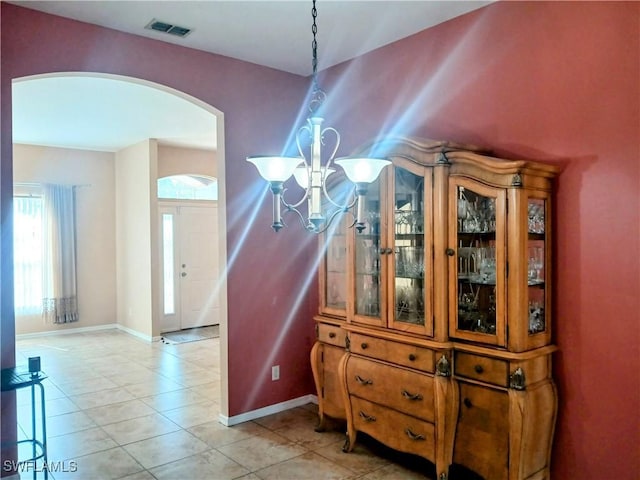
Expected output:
(275, 169)
(362, 170)
(301, 174)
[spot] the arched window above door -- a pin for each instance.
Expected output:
(188, 187)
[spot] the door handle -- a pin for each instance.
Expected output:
(363, 381)
(411, 396)
(367, 418)
(183, 274)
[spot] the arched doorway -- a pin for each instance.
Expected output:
(132, 186)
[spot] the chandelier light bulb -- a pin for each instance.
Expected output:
(275, 169)
(362, 170)
(301, 174)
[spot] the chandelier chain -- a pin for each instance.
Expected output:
(318, 95)
(314, 44)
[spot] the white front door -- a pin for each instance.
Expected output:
(190, 266)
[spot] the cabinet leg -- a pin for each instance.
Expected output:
(446, 405)
(321, 423)
(351, 431)
(349, 442)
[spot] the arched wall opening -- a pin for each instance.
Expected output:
(134, 193)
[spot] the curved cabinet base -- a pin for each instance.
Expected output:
(409, 411)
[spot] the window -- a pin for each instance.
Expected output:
(27, 247)
(188, 187)
(168, 262)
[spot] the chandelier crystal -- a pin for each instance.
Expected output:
(309, 171)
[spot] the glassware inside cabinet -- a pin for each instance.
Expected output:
(536, 248)
(367, 257)
(335, 259)
(409, 241)
(477, 265)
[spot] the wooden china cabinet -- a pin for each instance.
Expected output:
(434, 330)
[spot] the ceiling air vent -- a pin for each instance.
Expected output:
(169, 28)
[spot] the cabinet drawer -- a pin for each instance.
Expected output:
(331, 334)
(398, 388)
(394, 429)
(483, 369)
(394, 352)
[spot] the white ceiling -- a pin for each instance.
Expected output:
(106, 114)
(271, 33)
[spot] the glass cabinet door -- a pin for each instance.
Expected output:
(368, 264)
(333, 284)
(478, 299)
(410, 234)
(536, 260)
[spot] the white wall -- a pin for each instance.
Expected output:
(95, 219)
(177, 160)
(136, 219)
(117, 226)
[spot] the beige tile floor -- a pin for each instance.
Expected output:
(120, 408)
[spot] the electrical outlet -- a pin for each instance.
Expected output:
(275, 372)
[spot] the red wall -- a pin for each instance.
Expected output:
(551, 81)
(557, 82)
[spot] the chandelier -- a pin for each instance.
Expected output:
(311, 173)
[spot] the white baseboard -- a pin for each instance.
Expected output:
(270, 410)
(66, 331)
(135, 333)
(95, 328)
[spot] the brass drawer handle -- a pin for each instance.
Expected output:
(478, 369)
(367, 418)
(412, 357)
(411, 396)
(363, 381)
(413, 436)
(364, 346)
(467, 403)
(332, 334)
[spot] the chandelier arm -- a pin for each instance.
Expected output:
(304, 128)
(345, 207)
(303, 222)
(292, 206)
(335, 147)
(332, 217)
(326, 171)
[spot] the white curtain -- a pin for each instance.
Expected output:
(60, 304)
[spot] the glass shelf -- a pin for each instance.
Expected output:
(410, 277)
